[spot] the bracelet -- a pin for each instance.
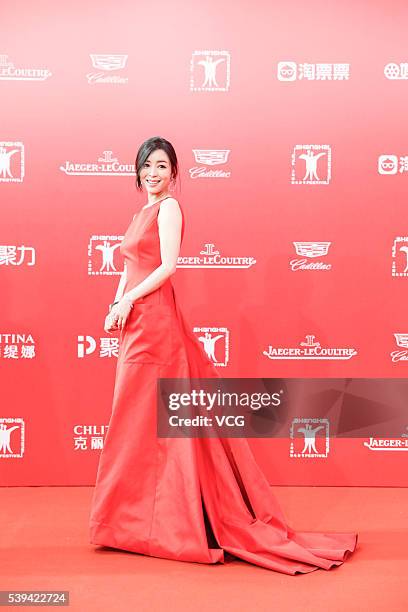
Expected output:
(117, 302)
(113, 303)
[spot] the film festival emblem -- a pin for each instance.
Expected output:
(11, 162)
(400, 256)
(313, 441)
(12, 437)
(101, 255)
(311, 164)
(215, 341)
(210, 70)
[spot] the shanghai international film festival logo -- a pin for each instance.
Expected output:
(8, 72)
(310, 251)
(392, 164)
(206, 159)
(12, 437)
(292, 71)
(210, 257)
(106, 165)
(395, 71)
(311, 164)
(210, 70)
(101, 255)
(309, 444)
(400, 256)
(215, 341)
(310, 349)
(11, 162)
(107, 66)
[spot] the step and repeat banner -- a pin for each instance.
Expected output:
(288, 120)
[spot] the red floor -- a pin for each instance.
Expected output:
(44, 545)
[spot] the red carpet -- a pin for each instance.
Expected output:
(44, 546)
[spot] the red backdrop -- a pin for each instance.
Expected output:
(252, 96)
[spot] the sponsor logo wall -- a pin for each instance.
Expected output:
(295, 257)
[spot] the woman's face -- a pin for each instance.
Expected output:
(155, 175)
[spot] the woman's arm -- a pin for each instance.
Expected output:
(121, 286)
(169, 221)
(109, 325)
(122, 283)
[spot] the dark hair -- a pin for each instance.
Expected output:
(150, 145)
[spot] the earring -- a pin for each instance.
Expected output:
(172, 185)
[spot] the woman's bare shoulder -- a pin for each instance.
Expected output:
(170, 204)
(170, 201)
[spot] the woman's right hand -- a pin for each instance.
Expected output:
(110, 323)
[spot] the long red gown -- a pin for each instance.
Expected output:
(188, 499)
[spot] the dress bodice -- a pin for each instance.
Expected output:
(140, 249)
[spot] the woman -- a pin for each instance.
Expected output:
(188, 499)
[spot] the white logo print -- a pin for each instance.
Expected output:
(396, 71)
(215, 341)
(12, 445)
(289, 71)
(310, 446)
(402, 342)
(310, 349)
(310, 250)
(210, 71)
(11, 162)
(8, 255)
(109, 347)
(210, 157)
(107, 63)
(103, 247)
(400, 256)
(388, 164)
(392, 164)
(16, 346)
(388, 444)
(8, 72)
(89, 437)
(106, 166)
(211, 258)
(306, 170)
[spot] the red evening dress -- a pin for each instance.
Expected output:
(188, 499)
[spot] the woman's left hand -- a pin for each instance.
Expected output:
(121, 311)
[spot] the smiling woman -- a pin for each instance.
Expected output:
(156, 168)
(188, 499)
